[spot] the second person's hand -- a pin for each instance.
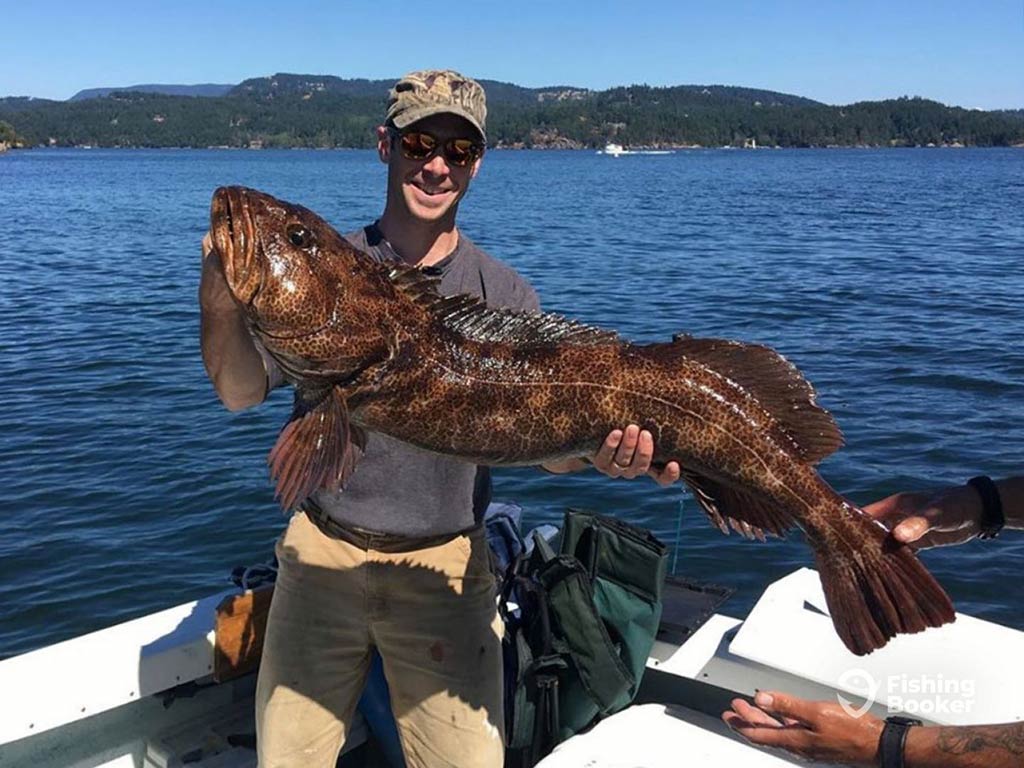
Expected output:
(932, 518)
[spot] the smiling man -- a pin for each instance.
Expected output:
(397, 561)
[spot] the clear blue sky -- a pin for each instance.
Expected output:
(965, 53)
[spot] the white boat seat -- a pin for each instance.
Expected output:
(972, 666)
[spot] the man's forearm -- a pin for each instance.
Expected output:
(565, 466)
(1011, 494)
(232, 361)
(966, 746)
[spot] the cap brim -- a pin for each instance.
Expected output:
(415, 114)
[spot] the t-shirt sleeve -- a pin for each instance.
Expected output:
(524, 297)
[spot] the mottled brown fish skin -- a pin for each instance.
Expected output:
(372, 347)
(541, 404)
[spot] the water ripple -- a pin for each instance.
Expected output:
(893, 279)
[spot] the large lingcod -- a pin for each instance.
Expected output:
(374, 347)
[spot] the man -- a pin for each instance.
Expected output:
(397, 560)
(824, 731)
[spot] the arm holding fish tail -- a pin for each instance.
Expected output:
(949, 516)
(233, 362)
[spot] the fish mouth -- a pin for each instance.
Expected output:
(233, 231)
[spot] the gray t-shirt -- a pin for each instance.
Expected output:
(398, 488)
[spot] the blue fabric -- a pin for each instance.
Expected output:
(501, 522)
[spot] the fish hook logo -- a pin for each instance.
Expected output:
(860, 682)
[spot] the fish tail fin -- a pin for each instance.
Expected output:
(879, 590)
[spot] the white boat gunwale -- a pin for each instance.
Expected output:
(89, 701)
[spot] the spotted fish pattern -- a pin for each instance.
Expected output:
(374, 348)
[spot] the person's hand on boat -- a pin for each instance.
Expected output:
(931, 518)
(813, 730)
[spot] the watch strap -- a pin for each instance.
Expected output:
(992, 517)
(894, 740)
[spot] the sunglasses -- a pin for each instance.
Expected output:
(421, 146)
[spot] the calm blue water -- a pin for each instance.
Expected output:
(892, 278)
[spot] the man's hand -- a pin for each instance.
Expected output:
(214, 294)
(624, 453)
(232, 361)
(930, 519)
(628, 453)
(814, 730)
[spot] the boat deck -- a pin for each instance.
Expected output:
(142, 693)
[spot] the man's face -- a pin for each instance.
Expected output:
(428, 189)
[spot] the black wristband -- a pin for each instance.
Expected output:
(894, 740)
(992, 517)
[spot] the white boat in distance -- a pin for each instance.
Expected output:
(615, 150)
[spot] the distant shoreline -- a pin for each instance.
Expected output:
(687, 148)
(312, 111)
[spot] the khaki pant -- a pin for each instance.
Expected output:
(431, 614)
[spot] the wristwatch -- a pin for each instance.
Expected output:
(893, 740)
(992, 517)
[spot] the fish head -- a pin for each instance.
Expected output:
(275, 256)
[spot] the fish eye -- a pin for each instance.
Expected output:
(299, 236)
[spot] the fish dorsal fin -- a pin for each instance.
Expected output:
(472, 318)
(777, 384)
(479, 323)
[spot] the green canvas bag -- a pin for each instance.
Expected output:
(577, 647)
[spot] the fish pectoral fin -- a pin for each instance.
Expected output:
(748, 515)
(318, 447)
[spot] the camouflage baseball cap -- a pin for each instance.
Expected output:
(435, 91)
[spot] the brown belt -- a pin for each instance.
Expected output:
(375, 540)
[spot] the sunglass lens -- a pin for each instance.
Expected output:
(461, 152)
(418, 146)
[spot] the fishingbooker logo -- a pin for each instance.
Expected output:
(861, 683)
(907, 694)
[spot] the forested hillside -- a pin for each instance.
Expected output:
(324, 111)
